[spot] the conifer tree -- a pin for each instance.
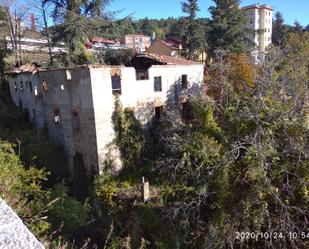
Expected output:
(76, 26)
(279, 30)
(194, 35)
(227, 27)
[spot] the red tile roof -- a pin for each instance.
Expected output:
(102, 40)
(168, 60)
(173, 43)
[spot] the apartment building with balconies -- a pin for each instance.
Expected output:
(259, 20)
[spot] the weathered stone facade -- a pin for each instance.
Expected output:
(76, 104)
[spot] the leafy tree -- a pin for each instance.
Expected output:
(129, 135)
(68, 212)
(116, 57)
(147, 27)
(22, 189)
(242, 163)
(227, 27)
(297, 27)
(76, 26)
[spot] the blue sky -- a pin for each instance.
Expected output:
(291, 10)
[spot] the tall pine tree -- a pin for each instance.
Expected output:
(279, 30)
(227, 29)
(194, 34)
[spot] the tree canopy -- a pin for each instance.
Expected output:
(227, 27)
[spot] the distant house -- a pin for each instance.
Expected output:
(98, 43)
(170, 47)
(103, 41)
(33, 41)
(138, 42)
(173, 47)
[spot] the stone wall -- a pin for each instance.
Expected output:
(66, 93)
(76, 105)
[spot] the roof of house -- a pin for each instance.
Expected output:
(102, 40)
(257, 6)
(167, 60)
(172, 43)
(138, 35)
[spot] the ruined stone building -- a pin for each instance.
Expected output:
(76, 104)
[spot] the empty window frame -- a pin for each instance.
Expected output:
(57, 116)
(21, 86)
(116, 84)
(142, 74)
(15, 86)
(44, 86)
(184, 81)
(30, 86)
(158, 84)
(187, 113)
(75, 121)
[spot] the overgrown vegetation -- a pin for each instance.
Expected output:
(130, 137)
(242, 163)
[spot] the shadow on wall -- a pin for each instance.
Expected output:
(80, 179)
(178, 97)
(137, 130)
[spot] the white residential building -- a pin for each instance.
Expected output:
(76, 104)
(259, 20)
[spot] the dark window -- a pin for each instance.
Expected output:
(20, 104)
(34, 114)
(75, 121)
(158, 112)
(184, 81)
(21, 86)
(142, 74)
(57, 116)
(30, 86)
(116, 84)
(158, 84)
(15, 86)
(187, 112)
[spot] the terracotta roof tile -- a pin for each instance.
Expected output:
(102, 40)
(168, 60)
